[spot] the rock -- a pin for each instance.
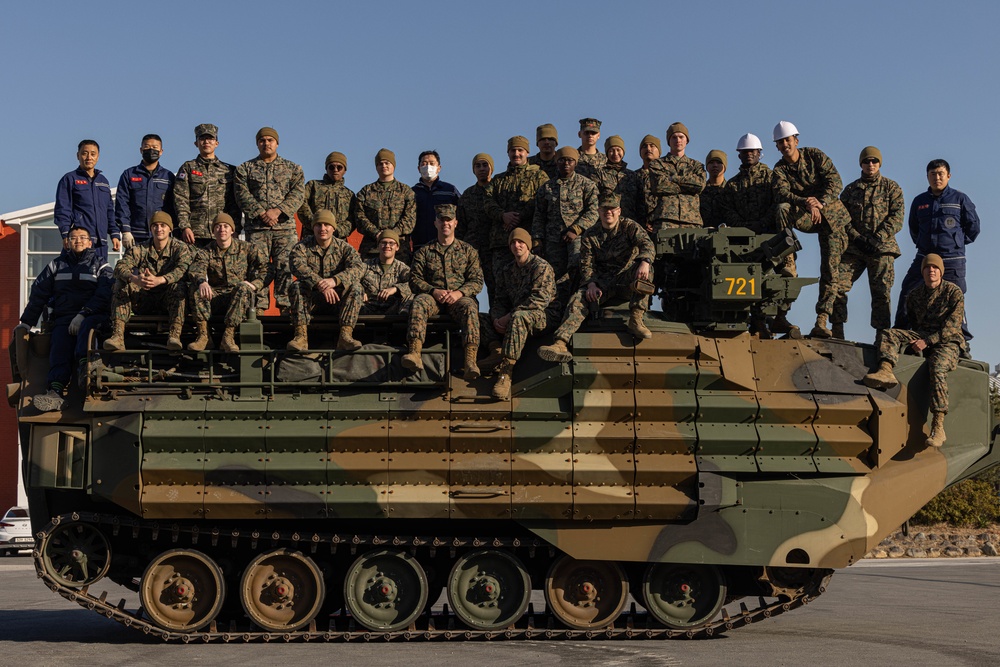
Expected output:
(952, 552)
(954, 538)
(933, 552)
(989, 549)
(879, 553)
(919, 537)
(916, 553)
(896, 552)
(973, 551)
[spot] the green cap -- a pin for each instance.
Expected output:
(206, 128)
(445, 211)
(590, 125)
(609, 200)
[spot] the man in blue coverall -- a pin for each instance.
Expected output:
(142, 191)
(83, 199)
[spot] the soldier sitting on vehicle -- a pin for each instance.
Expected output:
(615, 254)
(147, 278)
(325, 268)
(384, 289)
(78, 285)
(225, 278)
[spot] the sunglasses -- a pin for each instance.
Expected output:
(870, 160)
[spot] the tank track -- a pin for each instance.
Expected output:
(437, 626)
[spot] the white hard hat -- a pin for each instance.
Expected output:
(784, 129)
(748, 142)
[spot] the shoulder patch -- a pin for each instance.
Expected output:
(181, 175)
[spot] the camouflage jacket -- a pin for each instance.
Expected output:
(310, 263)
(528, 287)
(331, 196)
(610, 176)
(564, 204)
(711, 204)
(513, 191)
(876, 209)
(225, 268)
(812, 176)
(451, 267)
(669, 190)
(589, 165)
(263, 185)
(473, 227)
(749, 199)
(203, 189)
(171, 263)
(936, 314)
(550, 167)
(606, 253)
(628, 189)
(381, 206)
(377, 277)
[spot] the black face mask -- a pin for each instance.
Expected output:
(150, 155)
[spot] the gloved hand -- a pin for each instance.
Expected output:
(127, 241)
(866, 245)
(74, 326)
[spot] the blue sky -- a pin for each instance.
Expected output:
(916, 79)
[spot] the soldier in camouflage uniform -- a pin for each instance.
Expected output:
(936, 309)
(148, 277)
(330, 194)
(546, 138)
(564, 209)
(528, 287)
(711, 197)
(270, 190)
(205, 187)
(385, 204)
(384, 289)
(633, 206)
(615, 254)
(446, 276)
(510, 198)
(875, 204)
(591, 159)
(808, 190)
(475, 228)
(224, 279)
(615, 176)
(325, 269)
(669, 188)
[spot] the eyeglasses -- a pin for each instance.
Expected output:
(870, 160)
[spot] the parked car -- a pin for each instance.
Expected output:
(15, 531)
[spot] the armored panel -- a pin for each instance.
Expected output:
(842, 433)
(115, 465)
(888, 426)
(172, 475)
(417, 460)
(785, 429)
(236, 461)
(542, 469)
(727, 405)
(296, 461)
(779, 366)
(357, 468)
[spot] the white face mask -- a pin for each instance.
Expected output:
(428, 171)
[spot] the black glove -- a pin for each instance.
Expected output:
(866, 245)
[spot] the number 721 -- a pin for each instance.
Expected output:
(738, 287)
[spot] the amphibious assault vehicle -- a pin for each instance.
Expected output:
(714, 477)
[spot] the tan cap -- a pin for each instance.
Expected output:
(547, 131)
(518, 142)
(336, 156)
(650, 139)
(325, 217)
(162, 217)
(385, 154)
(716, 154)
(678, 127)
(568, 152)
(614, 140)
(389, 234)
(224, 219)
(483, 156)
(268, 132)
(870, 151)
(519, 234)
(932, 260)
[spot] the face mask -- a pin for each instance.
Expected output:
(150, 155)
(428, 171)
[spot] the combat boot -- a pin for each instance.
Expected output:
(501, 388)
(494, 358)
(555, 352)
(174, 337)
(781, 325)
(117, 341)
(837, 329)
(346, 341)
(883, 378)
(937, 437)
(228, 343)
(203, 341)
(413, 359)
(300, 343)
(758, 325)
(637, 327)
(820, 330)
(788, 269)
(471, 369)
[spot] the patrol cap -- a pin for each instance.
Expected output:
(206, 128)
(385, 154)
(518, 142)
(568, 152)
(268, 132)
(716, 154)
(547, 131)
(445, 211)
(224, 219)
(650, 139)
(590, 125)
(870, 151)
(325, 217)
(483, 156)
(162, 217)
(932, 260)
(519, 234)
(609, 200)
(389, 234)
(336, 156)
(614, 140)
(678, 127)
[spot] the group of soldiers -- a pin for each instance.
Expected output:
(550, 235)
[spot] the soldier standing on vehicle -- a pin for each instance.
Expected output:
(710, 198)
(385, 204)
(142, 191)
(591, 159)
(615, 176)
(669, 188)
(564, 209)
(384, 289)
(204, 188)
(472, 213)
(83, 199)
(331, 194)
(546, 138)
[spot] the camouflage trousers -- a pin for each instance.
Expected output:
(523, 324)
(832, 244)
(881, 275)
(619, 290)
(355, 305)
(306, 302)
(128, 300)
(465, 312)
(564, 256)
(942, 358)
(234, 302)
(486, 262)
(275, 244)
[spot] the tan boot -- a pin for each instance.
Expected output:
(937, 437)
(637, 327)
(117, 341)
(300, 343)
(346, 341)
(781, 325)
(883, 378)
(203, 341)
(228, 343)
(174, 337)
(501, 388)
(555, 352)
(837, 329)
(820, 330)
(413, 359)
(788, 269)
(471, 369)
(494, 358)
